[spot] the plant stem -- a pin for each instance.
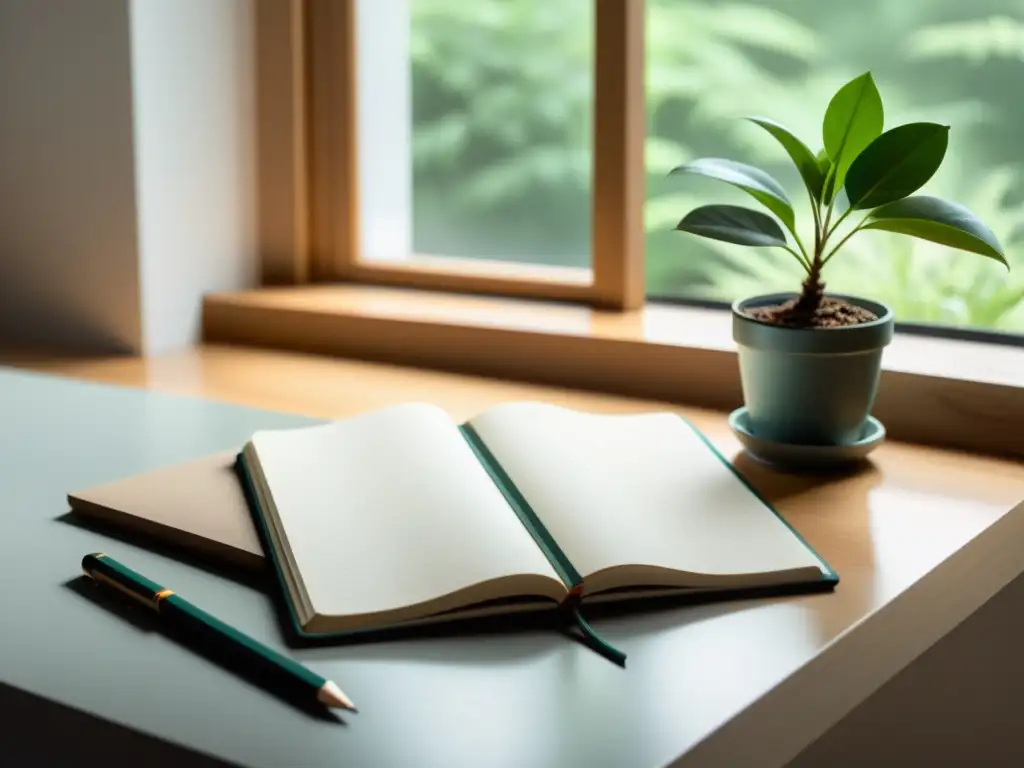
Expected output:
(842, 242)
(828, 218)
(835, 226)
(815, 210)
(803, 251)
(816, 213)
(842, 218)
(801, 257)
(813, 289)
(828, 213)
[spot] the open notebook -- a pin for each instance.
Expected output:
(399, 516)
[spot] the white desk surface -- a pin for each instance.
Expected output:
(920, 541)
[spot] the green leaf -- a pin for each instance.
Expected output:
(733, 224)
(828, 185)
(804, 160)
(896, 164)
(823, 162)
(853, 120)
(842, 201)
(940, 221)
(760, 185)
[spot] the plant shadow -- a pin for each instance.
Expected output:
(776, 486)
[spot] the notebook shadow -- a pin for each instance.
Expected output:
(520, 626)
(146, 621)
(261, 579)
(523, 634)
(526, 635)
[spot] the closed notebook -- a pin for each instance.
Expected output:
(197, 506)
(400, 517)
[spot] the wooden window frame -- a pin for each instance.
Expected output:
(310, 165)
(320, 297)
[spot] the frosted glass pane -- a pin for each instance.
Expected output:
(502, 96)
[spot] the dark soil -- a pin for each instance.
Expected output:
(833, 313)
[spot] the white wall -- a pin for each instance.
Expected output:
(193, 68)
(127, 168)
(68, 256)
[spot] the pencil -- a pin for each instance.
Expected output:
(273, 669)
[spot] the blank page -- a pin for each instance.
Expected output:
(636, 490)
(389, 509)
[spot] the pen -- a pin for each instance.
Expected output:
(271, 667)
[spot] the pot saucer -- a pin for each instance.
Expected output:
(806, 458)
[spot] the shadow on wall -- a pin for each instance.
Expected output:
(25, 325)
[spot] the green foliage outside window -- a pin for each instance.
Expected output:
(502, 99)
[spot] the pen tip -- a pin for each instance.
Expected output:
(331, 695)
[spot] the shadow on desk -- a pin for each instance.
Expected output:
(38, 732)
(145, 620)
(776, 487)
(261, 580)
(522, 624)
(657, 612)
(539, 632)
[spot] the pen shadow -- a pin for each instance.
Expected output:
(144, 620)
(523, 634)
(529, 633)
(264, 582)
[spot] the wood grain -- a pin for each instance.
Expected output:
(955, 394)
(475, 276)
(896, 513)
(333, 142)
(282, 147)
(620, 183)
(332, 159)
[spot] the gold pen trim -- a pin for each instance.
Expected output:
(98, 576)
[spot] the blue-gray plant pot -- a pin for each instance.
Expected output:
(809, 386)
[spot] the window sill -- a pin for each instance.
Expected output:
(957, 394)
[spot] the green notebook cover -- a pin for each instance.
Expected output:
(569, 575)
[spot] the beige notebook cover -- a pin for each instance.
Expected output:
(198, 505)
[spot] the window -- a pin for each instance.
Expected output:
(443, 153)
(493, 138)
(949, 61)
(361, 164)
(502, 103)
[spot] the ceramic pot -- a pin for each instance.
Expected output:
(809, 386)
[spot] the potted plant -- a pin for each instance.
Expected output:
(809, 360)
